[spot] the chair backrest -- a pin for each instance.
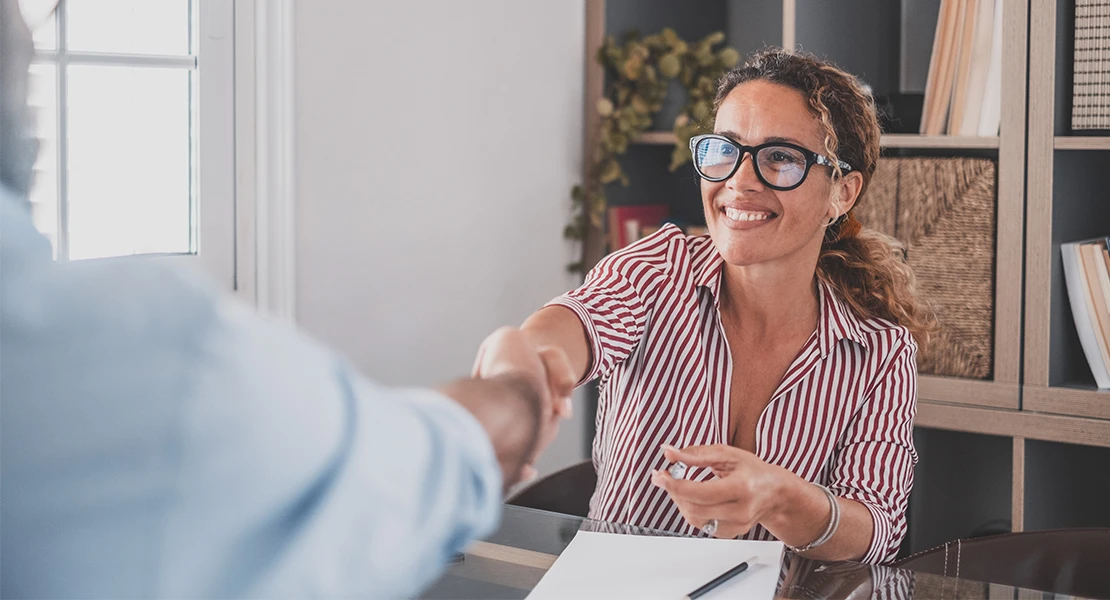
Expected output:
(1064, 561)
(566, 491)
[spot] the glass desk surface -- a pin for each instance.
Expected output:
(510, 563)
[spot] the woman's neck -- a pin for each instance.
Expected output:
(764, 301)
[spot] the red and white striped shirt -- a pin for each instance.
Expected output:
(842, 415)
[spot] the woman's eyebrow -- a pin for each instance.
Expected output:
(735, 137)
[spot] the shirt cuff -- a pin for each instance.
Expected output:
(880, 535)
(592, 337)
(467, 427)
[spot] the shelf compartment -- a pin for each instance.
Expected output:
(1066, 485)
(1079, 212)
(963, 488)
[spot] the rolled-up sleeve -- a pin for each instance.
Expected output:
(614, 301)
(874, 461)
(298, 477)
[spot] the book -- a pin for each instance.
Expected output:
(1102, 260)
(990, 115)
(1090, 254)
(938, 88)
(1106, 256)
(962, 74)
(627, 222)
(1079, 299)
(972, 105)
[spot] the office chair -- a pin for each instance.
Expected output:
(1064, 561)
(566, 491)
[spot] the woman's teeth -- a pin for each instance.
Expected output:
(746, 215)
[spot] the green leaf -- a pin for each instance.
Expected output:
(610, 172)
(604, 107)
(728, 57)
(701, 110)
(633, 67)
(670, 65)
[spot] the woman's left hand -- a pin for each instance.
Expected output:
(745, 492)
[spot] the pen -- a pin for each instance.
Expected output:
(723, 577)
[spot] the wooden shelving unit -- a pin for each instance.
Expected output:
(889, 140)
(1075, 142)
(1038, 419)
(942, 142)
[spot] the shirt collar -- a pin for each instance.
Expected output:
(835, 320)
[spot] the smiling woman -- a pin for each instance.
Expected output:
(776, 355)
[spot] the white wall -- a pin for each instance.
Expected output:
(437, 142)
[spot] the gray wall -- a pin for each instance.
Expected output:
(437, 143)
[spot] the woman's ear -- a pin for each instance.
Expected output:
(846, 191)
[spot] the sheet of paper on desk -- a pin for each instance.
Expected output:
(609, 565)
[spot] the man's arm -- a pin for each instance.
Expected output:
(510, 409)
(299, 477)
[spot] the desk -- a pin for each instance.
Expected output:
(511, 562)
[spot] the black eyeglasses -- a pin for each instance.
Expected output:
(779, 165)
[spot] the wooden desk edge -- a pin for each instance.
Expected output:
(517, 556)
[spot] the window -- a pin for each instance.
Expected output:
(134, 107)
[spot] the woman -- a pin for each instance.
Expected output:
(776, 356)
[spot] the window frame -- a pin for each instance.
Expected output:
(212, 57)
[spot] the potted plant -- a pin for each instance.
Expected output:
(639, 72)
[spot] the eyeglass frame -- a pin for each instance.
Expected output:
(812, 158)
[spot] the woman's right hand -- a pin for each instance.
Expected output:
(510, 350)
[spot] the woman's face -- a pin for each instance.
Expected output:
(751, 223)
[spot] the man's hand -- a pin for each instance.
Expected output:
(510, 351)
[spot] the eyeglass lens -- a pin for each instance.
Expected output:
(779, 166)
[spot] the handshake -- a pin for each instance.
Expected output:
(519, 392)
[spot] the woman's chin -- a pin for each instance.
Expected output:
(739, 256)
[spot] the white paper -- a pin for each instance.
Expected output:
(610, 565)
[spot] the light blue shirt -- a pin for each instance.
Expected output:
(157, 440)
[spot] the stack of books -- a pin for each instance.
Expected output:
(1087, 275)
(963, 95)
(1090, 107)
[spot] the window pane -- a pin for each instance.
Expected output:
(42, 97)
(128, 26)
(129, 161)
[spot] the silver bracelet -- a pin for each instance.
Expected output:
(830, 531)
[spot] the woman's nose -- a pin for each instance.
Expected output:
(745, 178)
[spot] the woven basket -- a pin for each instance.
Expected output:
(943, 210)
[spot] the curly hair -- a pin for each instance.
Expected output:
(867, 269)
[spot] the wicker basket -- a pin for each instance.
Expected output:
(943, 210)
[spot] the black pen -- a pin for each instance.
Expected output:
(723, 577)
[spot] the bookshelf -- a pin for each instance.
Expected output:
(889, 140)
(1014, 451)
(1068, 183)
